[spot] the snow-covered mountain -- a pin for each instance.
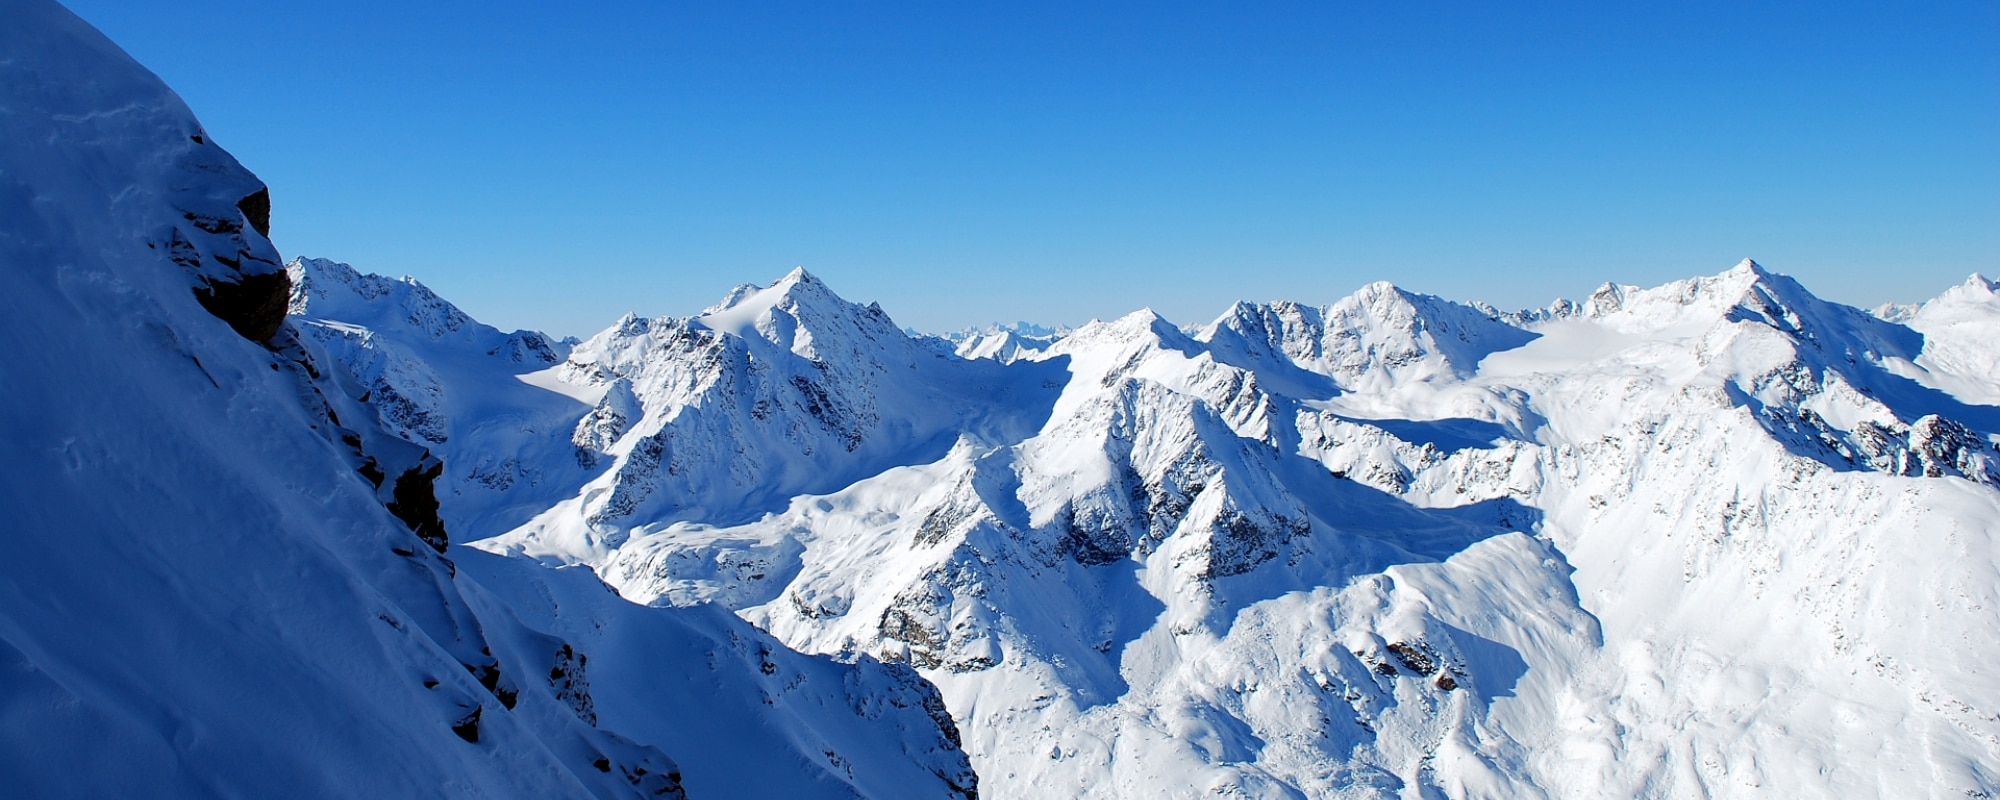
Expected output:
(227, 574)
(1003, 343)
(308, 530)
(1714, 538)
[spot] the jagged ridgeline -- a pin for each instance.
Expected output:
(230, 570)
(1649, 542)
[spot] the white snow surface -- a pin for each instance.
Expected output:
(203, 597)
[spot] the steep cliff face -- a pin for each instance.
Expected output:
(207, 592)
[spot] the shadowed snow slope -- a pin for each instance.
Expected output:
(216, 585)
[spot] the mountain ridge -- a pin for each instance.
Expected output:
(1463, 443)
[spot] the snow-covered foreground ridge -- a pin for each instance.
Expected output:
(225, 578)
(1714, 538)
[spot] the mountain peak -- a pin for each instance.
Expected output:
(1975, 290)
(1704, 296)
(1749, 267)
(797, 312)
(1380, 289)
(1148, 321)
(332, 289)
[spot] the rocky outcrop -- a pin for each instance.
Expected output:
(253, 306)
(223, 243)
(570, 683)
(416, 502)
(256, 208)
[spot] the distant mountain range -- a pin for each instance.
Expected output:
(1391, 544)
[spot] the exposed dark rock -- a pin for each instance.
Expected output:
(488, 675)
(254, 306)
(1416, 657)
(970, 792)
(183, 252)
(416, 502)
(208, 223)
(256, 209)
(467, 727)
(1092, 539)
(941, 522)
(899, 624)
(572, 686)
(372, 471)
(653, 783)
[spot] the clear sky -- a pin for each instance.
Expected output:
(553, 165)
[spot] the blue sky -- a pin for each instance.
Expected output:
(555, 165)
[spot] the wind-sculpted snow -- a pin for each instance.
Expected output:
(220, 583)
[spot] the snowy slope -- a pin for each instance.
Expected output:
(210, 590)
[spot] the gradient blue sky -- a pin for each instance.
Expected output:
(554, 165)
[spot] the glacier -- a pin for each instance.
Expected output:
(291, 527)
